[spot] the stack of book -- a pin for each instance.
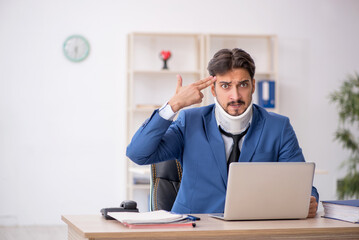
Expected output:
(345, 210)
(155, 219)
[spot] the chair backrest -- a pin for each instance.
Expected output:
(165, 183)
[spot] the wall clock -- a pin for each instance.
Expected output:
(76, 48)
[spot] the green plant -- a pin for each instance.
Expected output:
(347, 101)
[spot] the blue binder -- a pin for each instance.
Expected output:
(266, 93)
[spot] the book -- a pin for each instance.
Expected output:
(162, 225)
(345, 210)
(154, 219)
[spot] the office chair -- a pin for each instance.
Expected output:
(165, 182)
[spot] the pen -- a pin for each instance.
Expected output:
(193, 218)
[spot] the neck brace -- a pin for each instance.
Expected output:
(233, 124)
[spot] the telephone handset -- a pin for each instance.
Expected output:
(126, 206)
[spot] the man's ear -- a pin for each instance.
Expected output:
(213, 90)
(254, 85)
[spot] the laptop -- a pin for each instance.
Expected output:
(268, 190)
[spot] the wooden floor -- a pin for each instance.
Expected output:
(33, 233)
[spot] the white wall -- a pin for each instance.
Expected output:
(62, 124)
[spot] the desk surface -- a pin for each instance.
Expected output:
(94, 227)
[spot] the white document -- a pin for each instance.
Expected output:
(159, 216)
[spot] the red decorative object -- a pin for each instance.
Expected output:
(165, 55)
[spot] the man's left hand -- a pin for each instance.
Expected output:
(313, 206)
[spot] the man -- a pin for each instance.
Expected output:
(201, 138)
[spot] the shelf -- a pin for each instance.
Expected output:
(150, 86)
(141, 186)
(321, 171)
(265, 73)
(241, 36)
(164, 72)
(196, 72)
(140, 170)
(142, 110)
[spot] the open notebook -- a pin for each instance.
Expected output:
(153, 219)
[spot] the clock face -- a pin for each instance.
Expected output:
(76, 48)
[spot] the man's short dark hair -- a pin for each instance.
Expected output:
(226, 60)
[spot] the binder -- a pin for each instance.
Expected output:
(266, 93)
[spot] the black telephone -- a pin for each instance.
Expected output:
(126, 206)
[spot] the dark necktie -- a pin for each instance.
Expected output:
(235, 153)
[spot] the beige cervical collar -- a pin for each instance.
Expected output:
(233, 124)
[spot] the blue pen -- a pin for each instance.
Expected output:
(193, 218)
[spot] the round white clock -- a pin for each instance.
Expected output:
(76, 48)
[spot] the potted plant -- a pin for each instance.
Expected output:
(347, 101)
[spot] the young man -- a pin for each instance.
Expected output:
(201, 138)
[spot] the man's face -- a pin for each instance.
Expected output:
(234, 90)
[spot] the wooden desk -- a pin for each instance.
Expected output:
(95, 227)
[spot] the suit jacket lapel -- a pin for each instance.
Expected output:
(251, 139)
(216, 142)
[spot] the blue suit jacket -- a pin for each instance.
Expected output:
(194, 139)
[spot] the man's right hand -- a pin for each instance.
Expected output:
(188, 95)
